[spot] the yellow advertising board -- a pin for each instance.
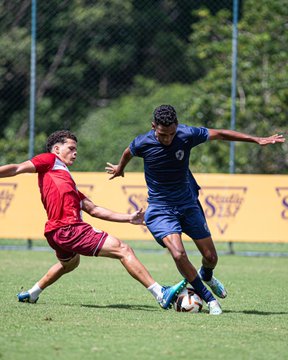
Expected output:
(245, 208)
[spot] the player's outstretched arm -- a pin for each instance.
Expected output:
(231, 135)
(136, 218)
(118, 170)
(16, 169)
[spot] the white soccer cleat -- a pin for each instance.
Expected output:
(214, 307)
(24, 296)
(216, 286)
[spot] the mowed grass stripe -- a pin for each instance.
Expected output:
(100, 312)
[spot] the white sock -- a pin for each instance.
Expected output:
(34, 292)
(156, 290)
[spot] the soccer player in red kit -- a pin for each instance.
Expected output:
(65, 230)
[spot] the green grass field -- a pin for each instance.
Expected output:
(99, 312)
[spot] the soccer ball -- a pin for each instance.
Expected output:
(188, 301)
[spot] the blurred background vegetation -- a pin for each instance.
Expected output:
(103, 66)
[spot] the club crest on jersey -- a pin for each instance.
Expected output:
(179, 154)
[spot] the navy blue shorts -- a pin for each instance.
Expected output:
(165, 220)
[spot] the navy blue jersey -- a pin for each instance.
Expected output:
(167, 173)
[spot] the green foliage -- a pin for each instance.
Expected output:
(102, 68)
(261, 99)
(12, 151)
(107, 132)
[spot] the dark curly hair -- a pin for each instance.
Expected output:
(59, 137)
(165, 115)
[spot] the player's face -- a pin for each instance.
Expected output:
(165, 134)
(67, 152)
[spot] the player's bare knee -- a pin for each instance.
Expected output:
(211, 259)
(76, 261)
(71, 264)
(126, 250)
(179, 255)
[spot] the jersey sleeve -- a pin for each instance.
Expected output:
(134, 147)
(81, 195)
(43, 162)
(198, 135)
(140, 144)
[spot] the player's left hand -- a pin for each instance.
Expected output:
(277, 138)
(114, 170)
(137, 218)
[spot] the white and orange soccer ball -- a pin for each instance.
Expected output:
(188, 301)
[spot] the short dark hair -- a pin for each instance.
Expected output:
(59, 137)
(165, 115)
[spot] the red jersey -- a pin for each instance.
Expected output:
(59, 194)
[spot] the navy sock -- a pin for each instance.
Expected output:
(206, 273)
(201, 290)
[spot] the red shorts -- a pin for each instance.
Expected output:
(80, 238)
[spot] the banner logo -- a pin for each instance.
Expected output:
(282, 192)
(7, 193)
(222, 204)
(137, 199)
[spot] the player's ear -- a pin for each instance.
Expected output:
(153, 125)
(56, 149)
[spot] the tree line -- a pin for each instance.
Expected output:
(103, 66)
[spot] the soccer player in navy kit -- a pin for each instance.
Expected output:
(173, 193)
(65, 230)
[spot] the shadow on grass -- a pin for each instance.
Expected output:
(153, 308)
(256, 312)
(122, 306)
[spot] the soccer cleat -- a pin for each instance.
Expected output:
(24, 296)
(214, 307)
(170, 293)
(216, 286)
